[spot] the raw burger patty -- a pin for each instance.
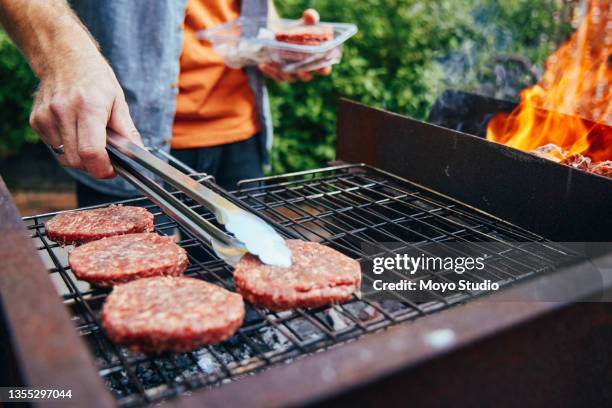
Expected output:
(123, 258)
(154, 315)
(306, 35)
(318, 276)
(76, 227)
(303, 35)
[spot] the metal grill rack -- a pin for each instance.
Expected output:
(344, 207)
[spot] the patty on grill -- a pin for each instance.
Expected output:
(76, 227)
(318, 275)
(180, 314)
(123, 258)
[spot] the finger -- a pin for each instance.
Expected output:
(42, 121)
(274, 72)
(65, 121)
(289, 78)
(268, 71)
(91, 137)
(311, 16)
(122, 123)
(304, 76)
(284, 76)
(325, 71)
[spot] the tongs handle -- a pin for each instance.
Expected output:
(252, 232)
(177, 179)
(226, 246)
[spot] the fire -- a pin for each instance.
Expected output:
(571, 106)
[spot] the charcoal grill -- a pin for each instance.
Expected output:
(362, 351)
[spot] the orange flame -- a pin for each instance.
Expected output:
(571, 106)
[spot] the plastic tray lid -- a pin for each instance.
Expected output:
(232, 32)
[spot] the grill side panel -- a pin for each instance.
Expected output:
(36, 328)
(547, 198)
(560, 359)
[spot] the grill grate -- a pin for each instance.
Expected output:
(343, 207)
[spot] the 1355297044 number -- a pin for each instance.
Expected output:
(37, 394)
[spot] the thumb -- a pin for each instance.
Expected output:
(311, 17)
(121, 122)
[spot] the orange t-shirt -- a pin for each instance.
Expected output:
(215, 104)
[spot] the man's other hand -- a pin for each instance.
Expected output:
(74, 106)
(274, 70)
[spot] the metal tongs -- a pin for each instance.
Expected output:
(250, 233)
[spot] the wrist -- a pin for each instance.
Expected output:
(63, 48)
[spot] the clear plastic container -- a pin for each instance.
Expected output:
(250, 41)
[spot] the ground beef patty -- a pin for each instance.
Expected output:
(154, 315)
(76, 227)
(123, 258)
(306, 35)
(318, 276)
(303, 35)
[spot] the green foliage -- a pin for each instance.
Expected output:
(17, 84)
(399, 61)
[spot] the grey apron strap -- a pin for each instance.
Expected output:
(254, 8)
(257, 8)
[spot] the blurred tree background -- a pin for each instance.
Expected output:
(17, 85)
(405, 54)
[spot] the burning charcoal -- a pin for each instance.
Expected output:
(335, 320)
(305, 329)
(577, 161)
(252, 316)
(602, 168)
(363, 311)
(119, 383)
(206, 362)
(241, 350)
(551, 152)
(273, 339)
(392, 306)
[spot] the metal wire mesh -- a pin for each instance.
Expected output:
(343, 207)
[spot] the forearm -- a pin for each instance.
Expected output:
(48, 33)
(79, 96)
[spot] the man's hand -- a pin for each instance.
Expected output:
(79, 95)
(74, 106)
(274, 70)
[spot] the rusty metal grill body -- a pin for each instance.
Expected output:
(344, 207)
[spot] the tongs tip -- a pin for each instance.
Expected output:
(258, 237)
(278, 255)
